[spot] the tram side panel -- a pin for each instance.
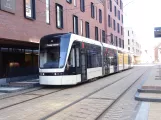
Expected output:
(126, 64)
(94, 61)
(120, 61)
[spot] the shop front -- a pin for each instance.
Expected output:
(18, 60)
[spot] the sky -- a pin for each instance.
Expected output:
(143, 16)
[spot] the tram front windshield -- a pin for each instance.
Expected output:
(53, 51)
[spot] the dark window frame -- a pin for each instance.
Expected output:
(116, 41)
(100, 16)
(61, 15)
(109, 21)
(87, 27)
(122, 18)
(92, 10)
(82, 5)
(115, 9)
(96, 33)
(120, 42)
(103, 36)
(33, 10)
(121, 30)
(112, 41)
(119, 14)
(110, 5)
(128, 41)
(118, 27)
(69, 1)
(49, 13)
(114, 25)
(128, 33)
(76, 18)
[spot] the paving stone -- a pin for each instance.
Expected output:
(50, 103)
(126, 108)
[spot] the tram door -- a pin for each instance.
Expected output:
(83, 66)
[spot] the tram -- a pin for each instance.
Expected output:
(69, 59)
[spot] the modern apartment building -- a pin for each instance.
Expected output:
(131, 43)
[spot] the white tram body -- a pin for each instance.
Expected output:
(69, 59)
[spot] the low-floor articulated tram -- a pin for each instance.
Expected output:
(68, 59)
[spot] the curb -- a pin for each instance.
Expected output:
(148, 91)
(21, 88)
(19, 92)
(146, 99)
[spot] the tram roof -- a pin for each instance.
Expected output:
(86, 40)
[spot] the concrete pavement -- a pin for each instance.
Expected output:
(150, 95)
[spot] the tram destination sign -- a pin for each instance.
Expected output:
(157, 32)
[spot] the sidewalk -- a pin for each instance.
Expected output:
(150, 91)
(150, 95)
(18, 86)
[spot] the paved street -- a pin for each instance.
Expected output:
(86, 101)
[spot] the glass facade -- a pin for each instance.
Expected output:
(16, 61)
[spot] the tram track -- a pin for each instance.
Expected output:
(119, 97)
(58, 90)
(87, 96)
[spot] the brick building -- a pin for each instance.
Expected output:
(24, 22)
(114, 22)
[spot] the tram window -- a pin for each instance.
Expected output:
(77, 56)
(93, 56)
(72, 58)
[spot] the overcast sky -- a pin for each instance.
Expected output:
(143, 16)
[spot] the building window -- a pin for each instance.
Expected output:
(115, 11)
(110, 5)
(112, 42)
(128, 41)
(75, 24)
(109, 21)
(121, 4)
(48, 11)
(96, 12)
(121, 30)
(122, 18)
(81, 27)
(59, 16)
(122, 43)
(128, 33)
(114, 25)
(117, 1)
(75, 3)
(100, 15)
(96, 33)
(82, 5)
(103, 36)
(69, 1)
(118, 28)
(87, 30)
(30, 11)
(129, 48)
(119, 42)
(92, 10)
(116, 41)
(119, 14)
